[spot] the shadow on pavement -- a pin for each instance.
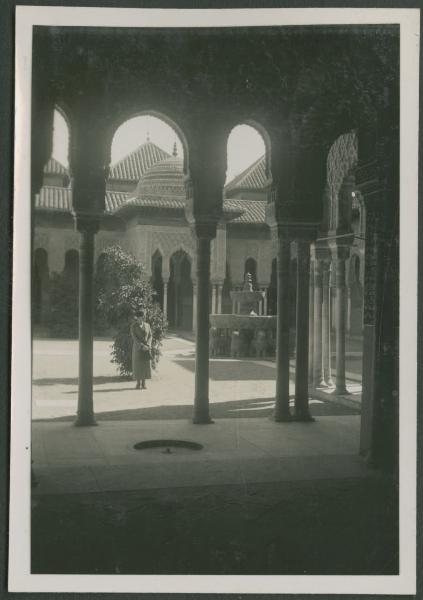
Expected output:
(244, 370)
(258, 407)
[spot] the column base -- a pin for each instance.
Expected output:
(202, 420)
(330, 383)
(85, 421)
(303, 417)
(320, 383)
(341, 391)
(283, 417)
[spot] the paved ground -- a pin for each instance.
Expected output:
(259, 498)
(237, 387)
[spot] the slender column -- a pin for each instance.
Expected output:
(348, 309)
(201, 399)
(318, 379)
(87, 228)
(194, 306)
(301, 370)
(219, 298)
(265, 301)
(165, 284)
(213, 304)
(326, 324)
(340, 316)
(282, 328)
(260, 307)
(311, 325)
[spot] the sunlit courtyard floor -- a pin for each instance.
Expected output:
(237, 387)
(259, 498)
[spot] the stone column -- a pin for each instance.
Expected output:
(213, 302)
(265, 301)
(326, 324)
(194, 306)
(87, 228)
(165, 284)
(301, 369)
(219, 298)
(311, 325)
(340, 316)
(201, 399)
(282, 412)
(318, 379)
(348, 309)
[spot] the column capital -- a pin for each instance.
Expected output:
(339, 252)
(86, 222)
(203, 229)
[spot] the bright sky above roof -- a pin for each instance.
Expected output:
(245, 144)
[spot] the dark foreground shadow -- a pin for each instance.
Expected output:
(327, 527)
(258, 407)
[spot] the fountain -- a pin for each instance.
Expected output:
(243, 333)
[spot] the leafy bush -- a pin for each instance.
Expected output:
(123, 290)
(62, 316)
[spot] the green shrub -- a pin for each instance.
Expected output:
(123, 290)
(62, 316)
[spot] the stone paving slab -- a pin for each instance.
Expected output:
(237, 387)
(70, 460)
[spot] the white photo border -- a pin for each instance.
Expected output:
(20, 577)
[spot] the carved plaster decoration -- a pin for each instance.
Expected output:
(342, 158)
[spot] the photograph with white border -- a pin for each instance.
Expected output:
(214, 311)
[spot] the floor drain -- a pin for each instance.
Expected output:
(167, 445)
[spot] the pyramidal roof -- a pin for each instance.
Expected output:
(54, 167)
(133, 166)
(252, 178)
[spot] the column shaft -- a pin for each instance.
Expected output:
(194, 306)
(213, 303)
(326, 325)
(165, 283)
(340, 325)
(282, 329)
(311, 326)
(265, 302)
(85, 415)
(201, 399)
(318, 379)
(219, 299)
(301, 368)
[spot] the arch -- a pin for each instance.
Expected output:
(130, 114)
(272, 293)
(71, 268)
(180, 291)
(267, 143)
(40, 285)
(340, 165)
(66, 114)
(250, 266)
(157, 276)
(261, 131)
(226, 291)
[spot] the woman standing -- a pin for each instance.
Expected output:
(141, 348)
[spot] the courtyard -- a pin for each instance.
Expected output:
(229, 508)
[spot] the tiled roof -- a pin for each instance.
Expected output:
(253, 211)
(59, 199)
(53, 167)
(54, 199)
(254, 177)
(114, 200)
(133, 166)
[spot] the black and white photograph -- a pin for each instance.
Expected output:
(214, 312)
